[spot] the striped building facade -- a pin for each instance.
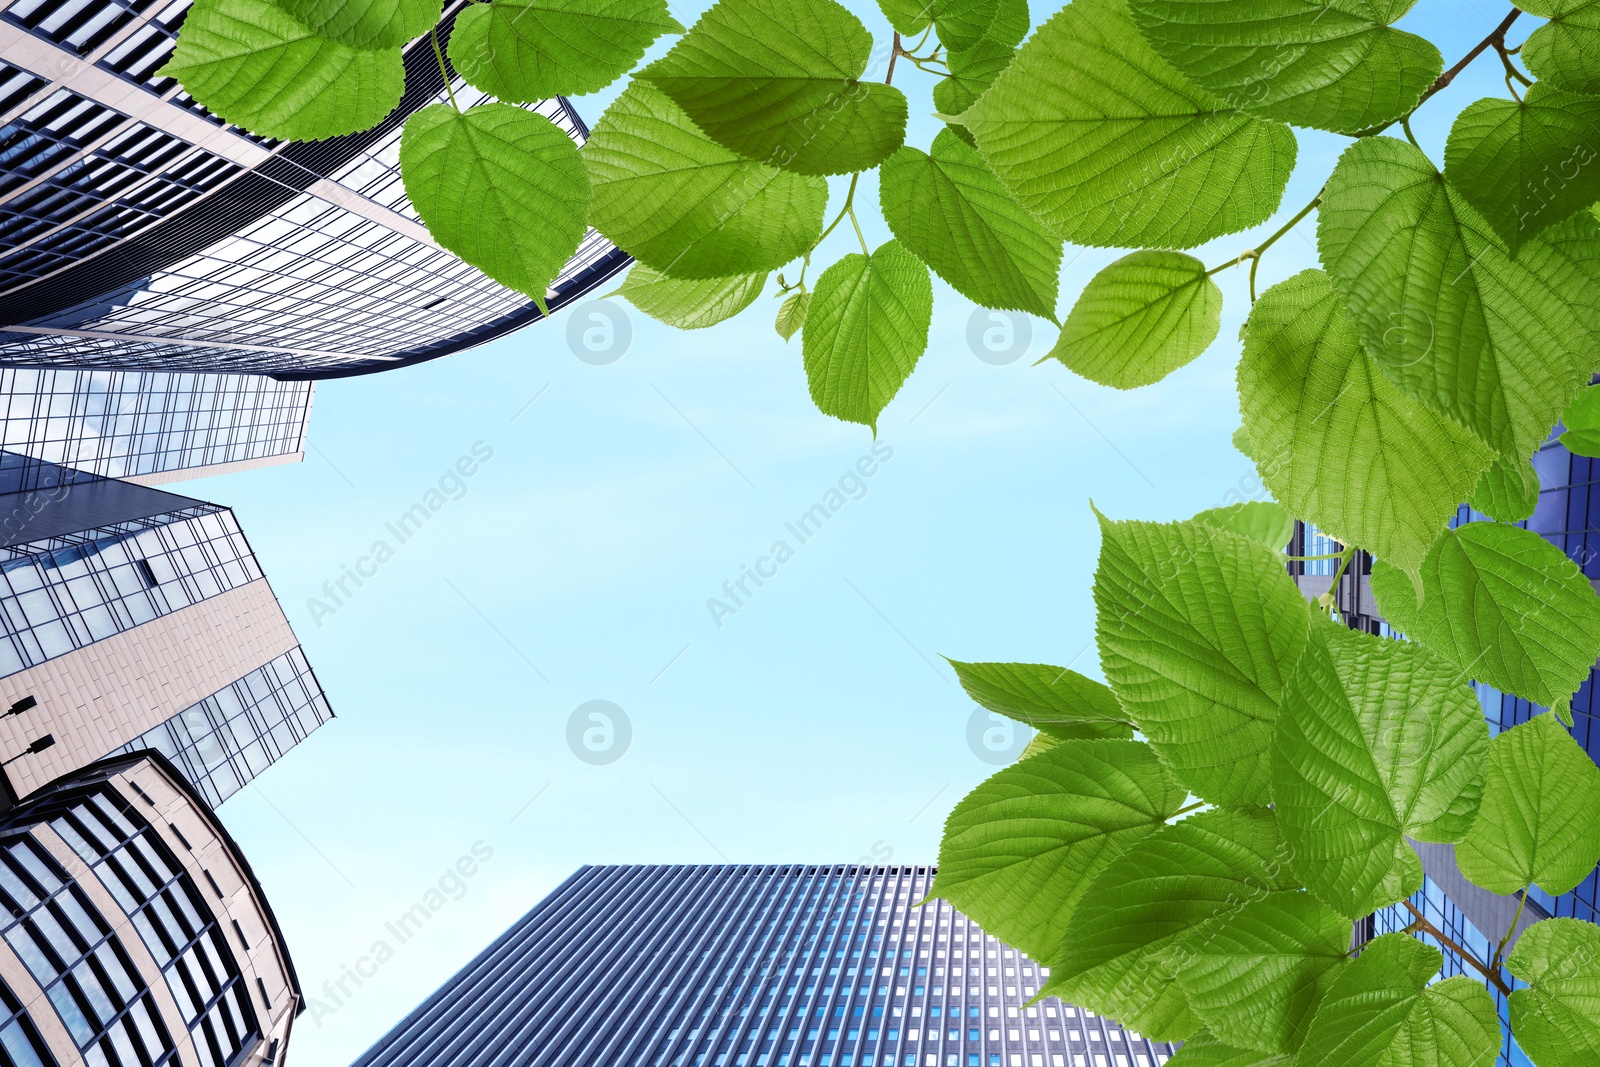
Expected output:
(751, 966)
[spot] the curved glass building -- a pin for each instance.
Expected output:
(133, 932)
(139, 232)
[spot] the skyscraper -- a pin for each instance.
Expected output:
(153, 427)
(133, 933)
(139, 232)
(751, 966)
(137, 618)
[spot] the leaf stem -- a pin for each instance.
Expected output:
(1501, 947)
(1405, 124)
(1423, 925)
(1254, 254)
(444, 71)
(1329, 599)
(1196, 806)
(864, 249)
(894, 54)
(1344, 561)
(849, 199)
(1511, 68)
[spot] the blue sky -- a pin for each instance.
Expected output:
(817, 723)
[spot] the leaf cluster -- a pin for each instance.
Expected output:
(1189, 846)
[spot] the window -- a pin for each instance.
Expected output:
(20, 1043)
(167, 909)
(82, 967)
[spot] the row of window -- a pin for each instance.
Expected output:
(121, 424)
(225, 740)
(67, 592)
(80, 964)
(164, 904)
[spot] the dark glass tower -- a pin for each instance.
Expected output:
(139, 232)
(751, 966)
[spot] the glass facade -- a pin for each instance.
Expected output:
(65, 592)
(752, 966)
(20, 1043)
(83, 968)
(228, 738)
(181, 933)
(130, 424)
(137, 232)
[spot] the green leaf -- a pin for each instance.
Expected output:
(1053, 700)
(1537, 821)
(1259, 520)
(1335, 440)
(1507, 492)
(250, 63)
(1378, 741)
(1184, 877)
(1241, 441)
(1381, 1012)
(1517, 161)
(500, 187)
(1140, 319)
(1331, 64)
(974, 68)
(1503, 606)
(693, 304)
(1040, 742)
(792, 314)
(908, 17)
(865, 330)
(1556, 1019)
(528, 50)
(1011, 24)
(962, 23)
(948, 208)
(1255, 976)
(1107, 144)
(685, 205)
(1581, 421)
(972, 71)
(367, 24)
(1199, 632)
(1203, 1050)
(1020, 849)
(777, 80)
(1499, 345)
(1566, 52)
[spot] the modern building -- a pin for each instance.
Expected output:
(133, 933)
(139, 232)
(153, 427)
(751, 966)
(138, 619)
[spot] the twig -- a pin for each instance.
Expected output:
(1443, 938)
